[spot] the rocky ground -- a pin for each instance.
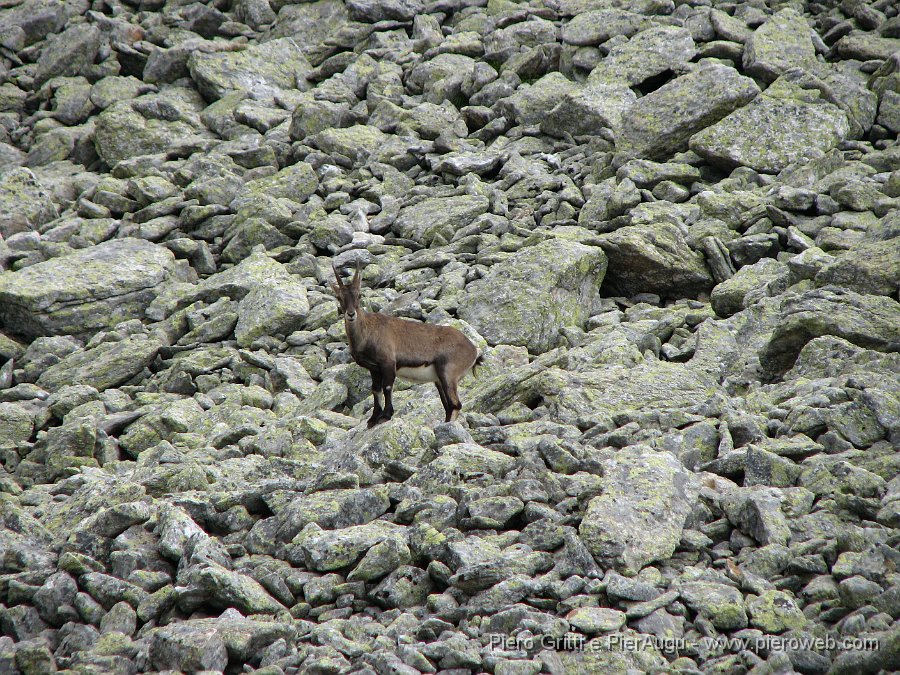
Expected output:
(671, 228)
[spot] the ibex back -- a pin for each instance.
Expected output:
(390, 347)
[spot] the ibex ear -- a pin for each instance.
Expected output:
(337, 276)
(334, 289)
(357, 281)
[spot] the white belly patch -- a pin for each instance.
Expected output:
(418, 373)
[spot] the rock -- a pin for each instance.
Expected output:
(595, 27)
(654, 258)
(589, 110)
(530, 103)
(868, 269)
(660, 124)
(757, 512)
(782, 42)
(775, 612)
(722, 605)
(406, 586)
(384, 10)
(330, 509)
(262, 70)
(438, 218)
(639, 517)
(325, 550)
(107, 365)
(646, 55)
(775, 132)
(90, 289)
(17, 425)
(183, 646)
(68, 53)
(25, 204)
(278, 307)
(594, 620)
(732, 295)
(525, 299)
(866, 320)
(226, 588)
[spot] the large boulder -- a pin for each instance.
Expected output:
(81, 293)
(654, 258)
(871, 321)
(261, 70)
(868, 268)
(638, 519)
(782, 42)
(526, 299)
(106, 365)
(438, 217)
(25, 204)
(660, 124)
(648, 54)
(772, 132)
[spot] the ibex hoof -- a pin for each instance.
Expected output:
(373, 421)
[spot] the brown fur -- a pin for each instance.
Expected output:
(386, 344)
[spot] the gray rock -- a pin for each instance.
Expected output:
(589, 110)
(87, 290)
(438, 218)
(654, 258)
(774, 132)
(647, 54)
(660, 124)
(406, 586)
(595, 27)
(868, 268)
(325, 550)
(594, 620)
(775, 612)
(17, 425)
(722, 605)
(25, 204)
(530, 103)
(107, 365)
(732, 295)
(782, 42)
(525, 299)
(866, 320)
(384, 10)
(278, 307)
(184, 646)
(757, 512)
(638, 519)
(69, 53)
(262, 70)
(330, 509)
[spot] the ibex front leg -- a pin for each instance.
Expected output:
(388, 375)
(378, 395)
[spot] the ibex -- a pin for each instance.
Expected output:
(388, 347)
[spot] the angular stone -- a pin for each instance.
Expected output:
(25, 204)
(326, 550)
(187, 647)
(438, 217)
(589, 110)
(262, 70)
(373, 11)
(107, 365)
(654, 258)
(276, 308)
(69, 53)
(731, 296)
(647, 54)
(660, 124)
(595, 27)
(721, 604)
(330, 509)
(775, 612)
(866, 320)
(527, 298)
(639, 516)
(226, 588)
(531, 103)
(594, 620)
(85, 291)
(782, 42)
(771, 133)
(872, 268)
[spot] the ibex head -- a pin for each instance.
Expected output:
(347, 294)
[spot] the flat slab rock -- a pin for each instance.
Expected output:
(81, 293)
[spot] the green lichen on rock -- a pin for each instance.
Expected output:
(439, 217)
(639, 517)
(784, 41)
(775, 612)
(527, 298)
(25, 204)
(87, 290)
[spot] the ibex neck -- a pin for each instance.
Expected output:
(356, 330)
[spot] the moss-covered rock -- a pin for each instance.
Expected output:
(89, 289)
(721, 604)
(25, 204)
(782, 42)
(526, 299)
(325, 550)
(107, 365)
(278, 307)
(438, 217)
(638, 519)
(731, 296)
(661, 123)
(775, 612)
(647, 54)
(262, 70)
(868, 268)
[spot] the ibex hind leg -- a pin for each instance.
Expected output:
(444, 400)
(453, 405)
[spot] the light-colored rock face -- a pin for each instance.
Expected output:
(670, 230)
(90, 289)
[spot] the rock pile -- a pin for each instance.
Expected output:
(671, 228)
